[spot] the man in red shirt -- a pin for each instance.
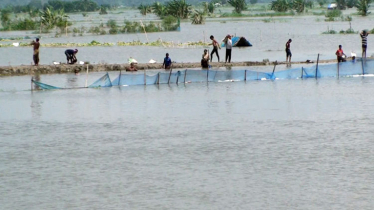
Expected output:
(339, 54)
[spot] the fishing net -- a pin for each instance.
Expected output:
(344, 69)
(104, 81)
(44, 86)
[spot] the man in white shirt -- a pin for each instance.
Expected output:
(228, 43)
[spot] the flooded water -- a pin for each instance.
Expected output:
(287, 144)
(284, 144)
(268, 39)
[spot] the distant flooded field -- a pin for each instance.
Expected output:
(267, 34)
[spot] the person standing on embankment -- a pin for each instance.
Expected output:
(215, 48)
(228, 43)
(288, 51)
(364, 38)
(35, 57)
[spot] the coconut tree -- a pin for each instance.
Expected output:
(178, 8)
(279, 5)
(298, 5)
(205, 7)
(198, 17)
(144, 9)
(5, 18)
(363, 7)
(159, 9)
(341, 4)
(239, 5)
(211, 7)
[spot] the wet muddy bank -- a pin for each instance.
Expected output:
(65, 68)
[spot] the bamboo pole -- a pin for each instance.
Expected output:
(317, 66)
(302, 72)
(275, 64)
(86, 76)
(171, 69)
(145, 77)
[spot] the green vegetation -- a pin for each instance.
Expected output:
(239, 5)
(175, 8)
(363, 7)
(332, 14)
(198, 17)
(297, 5)
(96, 43)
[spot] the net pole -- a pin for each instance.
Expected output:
(275, 64)
(302, 72)
(362, 66)
(338, 69)
(171, 69)
(245, 75)
(86, 76)
(32, 89)
(317, 65)
(185, 74)
(158, 78)
(178, 73)
(145, 77)
(119, 77)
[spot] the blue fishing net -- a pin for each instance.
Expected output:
(44, 86)
(104, 81)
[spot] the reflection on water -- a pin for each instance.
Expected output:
(285, 144)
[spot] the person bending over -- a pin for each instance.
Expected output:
(70, 56)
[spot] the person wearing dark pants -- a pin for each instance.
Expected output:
(288, 51)
(228, 43)
(364, 38)
(35, 56)
(215, 48)
(70, 56)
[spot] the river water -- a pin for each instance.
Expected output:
(268, 39)
(284, 144)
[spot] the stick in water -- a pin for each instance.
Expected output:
(317, 65)
(171, 69)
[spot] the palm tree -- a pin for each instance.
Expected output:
(363, 7)
(239, 5)
(198, 17)
(5, 18)
(211, 7)
(52, 18)
(298, 5)
(205, 7)
(178, 8)
(144, 9)
(159, 9)
(280, 5)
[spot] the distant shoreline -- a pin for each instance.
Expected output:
(65, 68)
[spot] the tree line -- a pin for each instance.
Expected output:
(67, 6)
